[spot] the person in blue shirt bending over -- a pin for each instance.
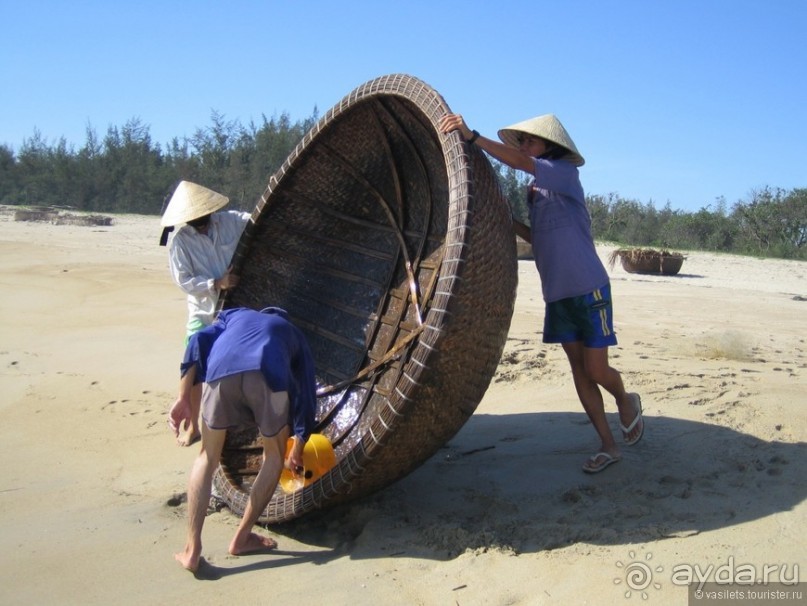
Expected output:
(257, 370)
(575, 285)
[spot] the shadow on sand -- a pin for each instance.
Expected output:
(513, 483)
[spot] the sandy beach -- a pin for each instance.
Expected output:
(92, 482)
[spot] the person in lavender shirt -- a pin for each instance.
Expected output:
(574, 282)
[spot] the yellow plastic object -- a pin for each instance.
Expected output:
(318, 458)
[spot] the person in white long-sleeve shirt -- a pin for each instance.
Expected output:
(200, 255)
(199, 259)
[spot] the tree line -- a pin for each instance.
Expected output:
(127, 172)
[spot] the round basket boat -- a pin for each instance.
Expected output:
(391, 246)
(648, 261)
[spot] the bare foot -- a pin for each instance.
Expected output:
(189, 437)
(188, 559)
(252, 544)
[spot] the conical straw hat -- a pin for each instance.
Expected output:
(191, 201)
(547, 127)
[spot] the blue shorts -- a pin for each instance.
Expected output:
(587, 318)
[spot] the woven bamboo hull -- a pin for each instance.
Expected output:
(374, 189)
(667, 265)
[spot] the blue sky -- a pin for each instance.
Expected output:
(681, 102)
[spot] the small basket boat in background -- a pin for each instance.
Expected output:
(648, 261)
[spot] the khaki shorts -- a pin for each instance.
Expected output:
(244, 400)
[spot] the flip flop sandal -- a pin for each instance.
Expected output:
(638, 419)
(592, 466)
